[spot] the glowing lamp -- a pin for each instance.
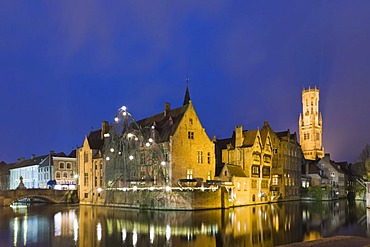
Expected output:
(131, 157)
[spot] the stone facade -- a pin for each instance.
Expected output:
(310, 125)
(90, 165)
(192, 152)
(247, 150)
(287, 163)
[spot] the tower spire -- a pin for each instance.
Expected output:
(187, 94)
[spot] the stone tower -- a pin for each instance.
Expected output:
(310, 125)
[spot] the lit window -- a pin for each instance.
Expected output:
(255, 170)
(189, 173)
(200, 157)
(209, 175)
(275, 180)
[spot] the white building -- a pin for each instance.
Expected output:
(28, 170)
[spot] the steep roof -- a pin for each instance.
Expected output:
(249, 137)
(165, 123)
(95, 140)
(187, 96)
(236, 171)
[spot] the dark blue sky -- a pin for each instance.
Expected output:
(65, 66)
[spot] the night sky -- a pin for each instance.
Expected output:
(67, 65)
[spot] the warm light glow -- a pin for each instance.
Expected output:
(129, 135)
(107, 159)
(131, 157)
(150, 140)
(151, 234)
(134, 237)
(99, 231)
(168, 188)
(124, 235)
(123, 108)
(153, 127)
(116, 119)
(147, 144)
(99, 189)
(163, 163)
(168, 232)
(124, 113)
(106, 135)
(112, 150)
(134, 188)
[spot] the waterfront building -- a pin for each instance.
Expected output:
(310, 125)
(28, 170)
(253, 155)
(189, 152)
(90, 166)
(59, 168)
(287, 161)
(335, 176)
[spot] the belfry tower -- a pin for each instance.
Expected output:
(310, 125)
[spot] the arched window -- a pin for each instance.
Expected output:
(61, 165)
(57, 175)
(69, 165)
(65, 175)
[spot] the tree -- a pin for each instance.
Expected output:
(365, 154)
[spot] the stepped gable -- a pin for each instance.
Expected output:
(165, 124)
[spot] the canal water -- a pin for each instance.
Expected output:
(261, 225)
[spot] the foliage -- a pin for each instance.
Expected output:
(316, 192)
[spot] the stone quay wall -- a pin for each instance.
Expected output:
(168, 200)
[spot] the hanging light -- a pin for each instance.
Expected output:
(107, 159)
(131, 157)
(112, 150)
(163, 163)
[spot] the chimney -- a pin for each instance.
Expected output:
(104, 128)
(238, 136)
(33, 156)
(327, 156)
(167, 108)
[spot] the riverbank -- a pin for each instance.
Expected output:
(337, 241)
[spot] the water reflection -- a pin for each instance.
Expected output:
(262, 225)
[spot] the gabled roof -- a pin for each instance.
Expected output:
(235, 171)
(29, 162)
(165, 124)
(249, 137)
(222, 143)
(95, 140)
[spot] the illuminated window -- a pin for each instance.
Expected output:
(189, 173)
(86, 179)
(200, 157)
(209, 175)
(245, 185)
(191, 135)
(275, 180)
(238, 186)
(255, 170)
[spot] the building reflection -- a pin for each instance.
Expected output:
(258, 225)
